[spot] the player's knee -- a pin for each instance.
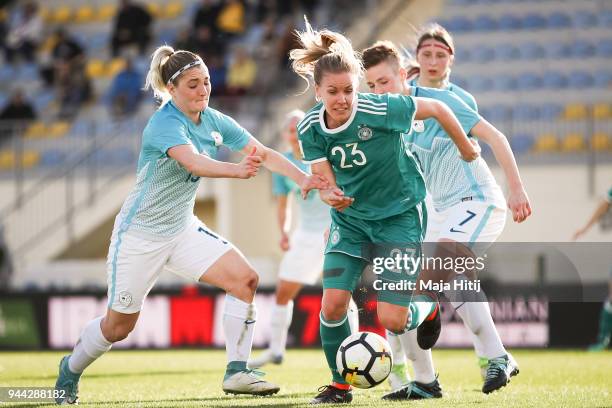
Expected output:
(393, 323)
(117, 332)
(334, 310)
(245, 288)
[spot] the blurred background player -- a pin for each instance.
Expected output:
(605, 318)
(156, 226)
(468, 204)
(302, 263)
(353, 140)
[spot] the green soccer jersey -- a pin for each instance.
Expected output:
(367, 155)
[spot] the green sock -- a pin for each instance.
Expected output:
(333, 333)
(234, 367)
(605, 323)
(421, 306)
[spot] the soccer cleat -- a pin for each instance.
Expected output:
(249, 382)
(429, 331)
(601, 345)
(265, 358)
(415, 391)
(399, 377)
(67, 384)
(328, 394)
(483, 363)
(499, 372)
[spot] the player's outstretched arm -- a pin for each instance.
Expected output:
(518, 202)
(601, 209)
(203, 166)
(332, 196)
(430, 108)
(276, 162)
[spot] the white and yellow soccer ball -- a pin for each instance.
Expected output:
(364, 359)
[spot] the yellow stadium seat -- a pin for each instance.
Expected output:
(173, 10)
(61, 15)
(575, 111)
(154, 9)
(106, 12)
(546, 143)
(573, 142)
(45, 14)
(95, 68)
(7, 159)
(114, 66)
(30, 159)
(602, 111)
(84, 14)
(58, 129)
(601, 142)
(36, 130)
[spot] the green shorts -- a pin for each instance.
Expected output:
(353, 243)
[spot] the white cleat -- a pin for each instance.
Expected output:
(249, 382)
(266, 357)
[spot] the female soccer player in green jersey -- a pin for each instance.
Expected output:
(353, 140)
(469, 206)
(156, 227)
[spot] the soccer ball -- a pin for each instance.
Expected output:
(364, 359)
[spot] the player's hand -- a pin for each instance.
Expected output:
(470, 153)
(249, 166)
(284, 242)
(518, 202)
(335, 197)
(579, 232)
(312, 182)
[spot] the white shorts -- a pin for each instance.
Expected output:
(303, 262)
(468, 222)
(134, 263)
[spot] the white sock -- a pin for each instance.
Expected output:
(239, 325)
(477, 319)
(91, 345)
(421, 360)
(397, 350)
(353, 316)
(281, 320)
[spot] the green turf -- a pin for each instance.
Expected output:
(188, 378)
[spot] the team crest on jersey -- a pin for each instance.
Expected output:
(418, 126)
(335, 237)
(125, 298)
(217, 138)
(364, 132)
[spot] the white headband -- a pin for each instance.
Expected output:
(185, 68)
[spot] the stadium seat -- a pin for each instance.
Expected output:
(504, 83)
(463, 55)
(36, 130)
(498, 113)
(479, 84)
(534, 22)
(556, 50)
(572, 143)
(584, 19)
(554, 80)
(42, 100)
(27, 72)
(95, 68)
(509, 22)
(483, 54)
(602, 111)
(52, 157)
(582, 49)
(524, 112)
(114, 66)
(550, 111)
(173, 9)
(7, 73)
(8, 160)
(167, 35)
(58, 129)
(506, 52)
(605, 18)
(484, 23)
(105, 12)
(603, 79)
(528, 81)
(601, 142)
(580, 79)
(603, 48)
(84, 14)
(530, 51)
(575, 111)
(155, 9)
(521, 143)
(546, 143)
(558, 20)
(60, 15)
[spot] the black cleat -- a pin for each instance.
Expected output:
(499, 372)
(429, 331)
(416, 391)
(328, 394)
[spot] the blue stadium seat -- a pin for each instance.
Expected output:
(498, 113)
(27, 72)
(582, 49)
(483, 54)
(42, 100)
(584, 19)
(506, 52)
(504, 83)
(460, 81)
(463, 55)
(558, 51)
(167, 35)
(528, 81)
(550, 111)
(603, 48)
(484, 23)
(521, 142)
(554, 80)
(525, 112)
(605, 18)
(534, 21)
(530, 51)
(509, 22)
(7, 73)
(603, 79)
(52, 157)
(479, 84)
(97, 41)
(580, 79)
(558, 20)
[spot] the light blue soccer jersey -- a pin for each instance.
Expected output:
(448, 178)
(161, 202)
(314, 213)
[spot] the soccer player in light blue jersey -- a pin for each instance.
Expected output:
(354, 141)
(156, 227)
(302, 263)
(469, 206)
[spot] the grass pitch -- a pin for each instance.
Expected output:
(192, 378)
